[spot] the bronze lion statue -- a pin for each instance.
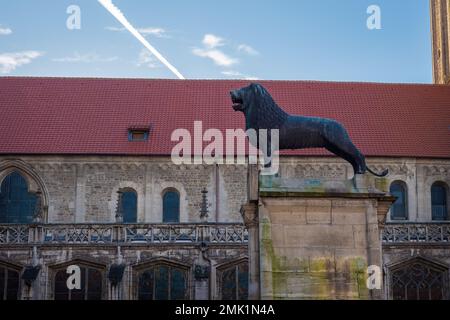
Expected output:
(297, 132)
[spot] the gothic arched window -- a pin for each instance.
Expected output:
(17, 205)
(171, 206)
(163, 282)
(419, 280)
(129, 205)
(233, 282)
(439, 201)
(399, 210)
(91, 285)
(9, 283)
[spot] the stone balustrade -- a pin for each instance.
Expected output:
(218, 233)
(123, 234)
(427, 233)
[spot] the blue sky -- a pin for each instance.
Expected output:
(263, 39)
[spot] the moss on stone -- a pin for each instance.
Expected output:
(317, 276)
(358, 273)
(382, 184)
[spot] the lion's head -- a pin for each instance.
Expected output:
(244, 97)
(258, 106)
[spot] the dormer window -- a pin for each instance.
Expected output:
(138, 134)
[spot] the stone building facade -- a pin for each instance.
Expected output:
(79, 224)
(203, 249)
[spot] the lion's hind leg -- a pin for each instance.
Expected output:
(338, 141)
(346, 156)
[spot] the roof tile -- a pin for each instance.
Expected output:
(92, 116)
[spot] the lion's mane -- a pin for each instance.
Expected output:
(263, 112)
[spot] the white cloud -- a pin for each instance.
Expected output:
(237, 75)
(157, 32)
(247, 49)
(211, 50)
(219, 58)
(211, 41)
(85, 58)
(10, 61)
(147, 59)
(5, 31)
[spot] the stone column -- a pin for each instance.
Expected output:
(249, 214)
(374, 245)
(383, 206)
(80, 194)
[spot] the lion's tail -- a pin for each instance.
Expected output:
(383, 174)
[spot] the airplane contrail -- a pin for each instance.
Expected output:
(121, 18)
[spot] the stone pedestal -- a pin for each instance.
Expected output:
(317, 238)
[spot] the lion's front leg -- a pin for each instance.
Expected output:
(269, 144)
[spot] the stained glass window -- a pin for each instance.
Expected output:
(177, 284)
(129, 206)
(163, 282)
(9, 283)
(171, 207)
(234, 282)
(146, 285)
(419, 281)
(399, 210)
(439, 202)
(16, 203)
(90, 289)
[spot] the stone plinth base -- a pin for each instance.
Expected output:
(317, 238)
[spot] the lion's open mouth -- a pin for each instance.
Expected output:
(237, 104)
(237, 101)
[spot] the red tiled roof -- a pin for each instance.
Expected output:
(92, 116)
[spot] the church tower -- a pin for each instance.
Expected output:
(440, 29)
